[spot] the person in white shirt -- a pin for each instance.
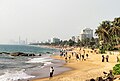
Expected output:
(51, 71)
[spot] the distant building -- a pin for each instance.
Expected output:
(86, 33)
(22, 42)
(77, 38)
(48, 41)
(73, 38)
(55, 40)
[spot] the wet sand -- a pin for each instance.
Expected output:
(44, 72)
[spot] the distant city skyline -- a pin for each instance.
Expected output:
(40, 20)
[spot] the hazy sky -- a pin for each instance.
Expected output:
(44, 19)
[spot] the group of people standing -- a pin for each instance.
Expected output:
(78, 56)
(81, 57)
(107, 58)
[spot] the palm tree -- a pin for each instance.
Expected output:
(103, 35)
(114, 31)
(102, 31)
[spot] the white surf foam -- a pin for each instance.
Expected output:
(14, 76)
(44, 60)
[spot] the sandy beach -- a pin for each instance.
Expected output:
(92, 67)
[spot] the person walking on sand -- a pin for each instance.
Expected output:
(107, 57)
(51, 71)
(103, 58)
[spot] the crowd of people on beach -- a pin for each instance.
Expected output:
(83, 56)
(78, 56)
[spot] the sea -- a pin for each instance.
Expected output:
(22, 68)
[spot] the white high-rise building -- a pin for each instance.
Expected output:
(55, 40)
(86, 33)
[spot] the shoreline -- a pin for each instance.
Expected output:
(59, 67)
(59, 73)
(82, 70)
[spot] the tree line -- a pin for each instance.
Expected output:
(108, 33)
(93, 43)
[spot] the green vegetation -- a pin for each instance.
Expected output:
(109, 34)
(116, 69)
(91, 43)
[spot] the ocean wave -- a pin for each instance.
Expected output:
(15, 75)
(45, 60)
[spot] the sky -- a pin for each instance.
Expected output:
(39, 20)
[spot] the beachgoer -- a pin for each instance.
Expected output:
(83, 58)
(87, 55)
(99, 79)
(103, 58)
(77, 57)
(72, 53)
(80, 56)
(107, 57)
(117, 59)
(61, 54)
(69, 57)
(51, 71)
(110, 76)
(66, 59)
(66, 53)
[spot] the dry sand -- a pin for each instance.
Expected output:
(82, 70)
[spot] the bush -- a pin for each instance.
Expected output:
(116, 69)
(102, 49)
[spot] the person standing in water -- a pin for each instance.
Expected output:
(51, 71)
